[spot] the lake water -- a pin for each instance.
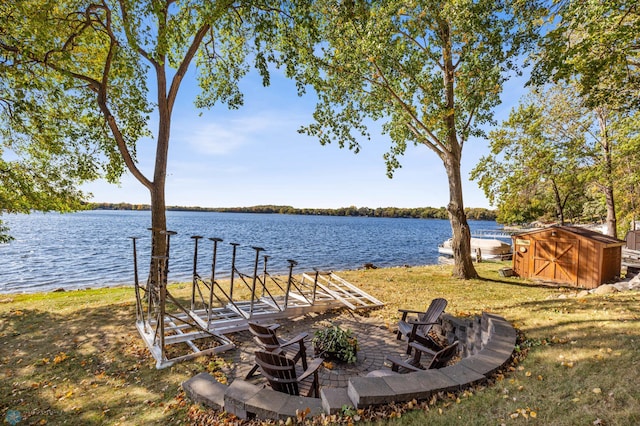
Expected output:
(92, 248)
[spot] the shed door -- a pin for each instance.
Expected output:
(556, 260)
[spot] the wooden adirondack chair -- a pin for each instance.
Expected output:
(265, 336)
(282, 375)
(418, 326)
(437, 359)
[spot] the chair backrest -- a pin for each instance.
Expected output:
(442, 357)
(433, 312)
(279, 371)
(265, 336)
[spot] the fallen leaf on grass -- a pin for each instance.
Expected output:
(524, 412)
(60, 357)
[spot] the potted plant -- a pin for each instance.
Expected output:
(335, 343)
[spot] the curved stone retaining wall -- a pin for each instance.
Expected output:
(487, 343)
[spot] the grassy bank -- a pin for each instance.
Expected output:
(76, 358)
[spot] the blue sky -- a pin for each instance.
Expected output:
(254, 155)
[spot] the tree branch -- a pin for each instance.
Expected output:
(184, 65)
(131, 39)
(421, 47)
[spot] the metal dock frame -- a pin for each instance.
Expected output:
(162, 320)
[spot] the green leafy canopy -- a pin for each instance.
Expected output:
(425, 68)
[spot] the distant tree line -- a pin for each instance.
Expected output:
(416, 213)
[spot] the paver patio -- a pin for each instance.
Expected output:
(375, 341)
(486, 345)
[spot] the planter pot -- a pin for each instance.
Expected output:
(330, 356)
(336, 344)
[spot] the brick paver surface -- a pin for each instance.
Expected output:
(375, 342)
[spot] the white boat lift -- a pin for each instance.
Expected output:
(175, 330)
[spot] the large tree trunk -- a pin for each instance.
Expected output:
(157, 189)
(159, 250)
(612, 223)
(559, 203)
(451, 157)
(606, 184)
(461, 235)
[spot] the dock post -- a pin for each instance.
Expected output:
(168, 234)
(233, 269)
(213, 276)
(195, 271)
(292, 263)
(264, 274)
(315, 286)
(139, 314)
(255, 277)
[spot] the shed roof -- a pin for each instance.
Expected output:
(583, 232)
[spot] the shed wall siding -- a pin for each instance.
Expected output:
(611, 262)
(550, 256)
(589, 264)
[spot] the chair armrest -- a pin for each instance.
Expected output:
(315, 364)
(297, 339)
(421, 323)
(397, 362)
(273, 326)
(422, 348)
(410, 311)
(414, 327)
(405, 312)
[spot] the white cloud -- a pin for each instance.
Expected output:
(212, 138)
(228, 135)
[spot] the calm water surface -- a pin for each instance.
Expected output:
(92, 248)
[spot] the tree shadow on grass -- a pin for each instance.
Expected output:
(528, 284)
(86, 367)
(585, 349)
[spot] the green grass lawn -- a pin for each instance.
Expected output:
(76, 358)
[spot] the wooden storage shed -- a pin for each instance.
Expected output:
(568, 255)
